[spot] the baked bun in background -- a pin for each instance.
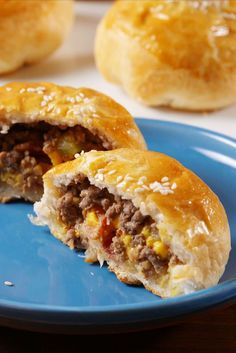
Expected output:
(42, 124)
(152, 220)
(180, 54)
(30, 30)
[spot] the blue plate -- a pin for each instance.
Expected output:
(54, 290)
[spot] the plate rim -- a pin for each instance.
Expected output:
(203, 299)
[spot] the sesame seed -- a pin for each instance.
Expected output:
(128, 178)
(22, 90)
(40, 88)
(57, 110)
(166, 183)
(47, 98)
(8, 283)
(141, 180)
(43, 103)
(50, 107)
(99, 177)
(173, 186)
(155, 185)
(120, 185)
(8, 89)
(165, 178)
(111, 172)
(81, 94)
(145, 187)
(139, 190)
(95, 115)
(70, 99)
(119, 178)
(78, 99)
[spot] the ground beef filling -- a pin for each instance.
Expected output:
(121, 225)
(27, 151)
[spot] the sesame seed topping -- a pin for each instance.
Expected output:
(50, 107)
(8, 89)
(145, 187)
(77, 155)
(57, 110)
(119, 178)
(128, 178)
(173, 186)
(70, 99)
(120, 185)
(86, 100)
(111, 172)
(78, 99)
(164, 179)
(95, 115)
(41, 88)
(92, 109)
(166, 183)
(43, 103)
(22, 90)
(99, 177)
(141, 180)
(47, 98)
(81, 94)
(139, 190)
(8, 283)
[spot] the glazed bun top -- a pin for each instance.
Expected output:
(24, 102)
(187, 51)
(190, 218)
(30, 30)
(172, 30)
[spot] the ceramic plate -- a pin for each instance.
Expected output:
(54, 290)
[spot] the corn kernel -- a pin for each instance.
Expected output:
(126, 239)
(150, 241)
(160, 248)
(146, 232)
(92, 219)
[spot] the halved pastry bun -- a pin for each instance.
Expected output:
(152, 220)
(43, 124)
(180, 54)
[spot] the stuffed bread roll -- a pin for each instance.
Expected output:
(152, 220)
(43, 124)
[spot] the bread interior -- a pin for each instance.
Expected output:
(112, 229)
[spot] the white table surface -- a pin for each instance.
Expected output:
(73, 64)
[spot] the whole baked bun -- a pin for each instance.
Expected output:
(30, 30)
(180, 54)
(153, 221)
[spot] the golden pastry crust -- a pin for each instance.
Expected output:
(31, 30)
(180, 54)
(190, 217)
(66, 106)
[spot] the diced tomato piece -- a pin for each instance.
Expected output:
(106, 232)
